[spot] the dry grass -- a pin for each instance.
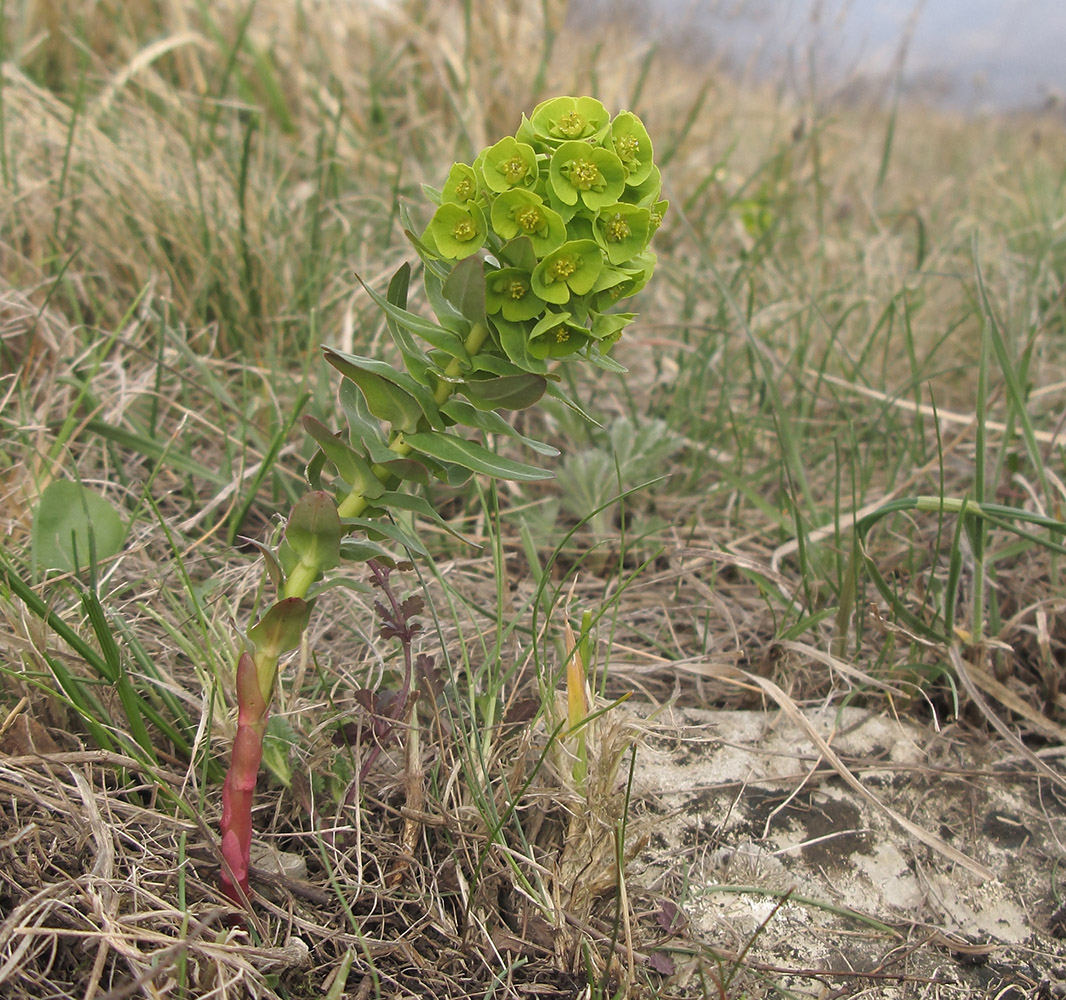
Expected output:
(187, 191)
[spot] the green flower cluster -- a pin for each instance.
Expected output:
(562, 213)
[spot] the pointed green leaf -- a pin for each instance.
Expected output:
(390, 395)
(447, 315)
(492, 423)
(366, 438)
(437, 336)
(555, 392)
(343, 362)
(418, 505)
(387, 401)
(507, 392)
(273, 567)
(496, 365)
(353, 468)
(465, 288)
(473, 456)
(378, 528)
(414, 358)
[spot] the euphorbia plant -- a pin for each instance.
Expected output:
(527, 252)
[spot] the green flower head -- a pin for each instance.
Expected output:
(562, 119)
(572, 269)
(557, 336)
(631, 143)
(461, 185)
(456, 231)
(509, 293)
(623, 231)
(522, 213)
(509, 164)
(587, 174)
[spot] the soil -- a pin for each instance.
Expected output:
(766, 851)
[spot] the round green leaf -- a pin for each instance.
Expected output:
(457, 231)
(587, 174)
(557, 336)
(632, 145)
(509, 164)
(522, 213)
(72, 525)
(508, 292)
(560, 119)
(623, 231)
(573, 268)
(461, 185)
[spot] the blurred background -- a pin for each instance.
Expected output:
(970, 55)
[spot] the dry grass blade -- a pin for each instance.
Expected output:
(966, 674)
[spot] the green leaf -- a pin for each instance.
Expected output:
(392, 396)
(473, 456)
(431, 333)
(359, 550)
(523, 215)
(605, 361)
(520, 252)
(312, 535)
(419, 505)
(507, 392)
(632, 144)
(492, 423)
(580, 173)
(508, 293)
(561, 118)
(555, 392)
(415, 359)
(461, 185)
(623, 231)
(364, 431)
(447, 315)
(509, 164)
(353, 468)
(273, 567)
(557, 336)
(72, 526)
(378, 528)
(465, 289)
(388, 401)
(457, 231)
(572, 269)
(496, 365)
(281, 628)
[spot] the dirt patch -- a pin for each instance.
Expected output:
(768, 849)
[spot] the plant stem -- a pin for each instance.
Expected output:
(356, 502)
(239, 786)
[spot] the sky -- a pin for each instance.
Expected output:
(1000, 54)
